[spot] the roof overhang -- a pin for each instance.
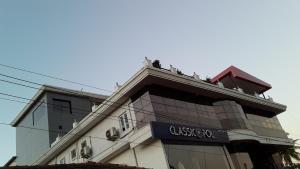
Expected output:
(233, 76)
(199, 87)
(244, 135)
(10, 161)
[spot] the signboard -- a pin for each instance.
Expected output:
(178, 132)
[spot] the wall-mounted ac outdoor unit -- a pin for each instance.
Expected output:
(112, 134)
(86, 152)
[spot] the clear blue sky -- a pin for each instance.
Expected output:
(100, 42)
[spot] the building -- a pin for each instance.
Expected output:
(51, 114)
(163, 119)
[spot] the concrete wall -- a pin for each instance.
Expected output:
(32, 138)
(125, 158)
(151, 155)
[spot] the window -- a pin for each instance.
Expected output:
(83, 144)
(62, 161)
(202, 157)
(62, 106)
(73, 154)
(38, 112)
(124, 123)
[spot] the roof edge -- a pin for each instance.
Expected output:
(238, 73)
(12, 159)
(49, 88)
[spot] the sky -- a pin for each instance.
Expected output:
(100, 42)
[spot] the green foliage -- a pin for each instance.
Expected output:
(290, 153)
(156, 63)
(179, 72)
(208, 80)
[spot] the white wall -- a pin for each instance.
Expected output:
(151, 155)
(127, 157)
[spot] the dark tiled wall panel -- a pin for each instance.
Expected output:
(223, 114)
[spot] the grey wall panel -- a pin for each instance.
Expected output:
(61, 120)
(32, 138)
(222, 114)
(40, 127)
(156, 108)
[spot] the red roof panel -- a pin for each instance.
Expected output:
(237, 73)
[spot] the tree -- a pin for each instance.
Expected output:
(290, 153)
(156, 63)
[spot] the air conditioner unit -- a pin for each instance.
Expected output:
(112, 134)
(86, 152)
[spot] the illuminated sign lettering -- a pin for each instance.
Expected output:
(179, 132)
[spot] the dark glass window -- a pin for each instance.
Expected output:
(62, 161)
(83, 144)
(196, 157)
(124, 122)
(73, 154)
(38, 113)
(62, 106)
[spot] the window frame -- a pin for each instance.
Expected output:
(83, 144)
(62, 160)
(124, 122)
(64, 101)
(72, 151)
